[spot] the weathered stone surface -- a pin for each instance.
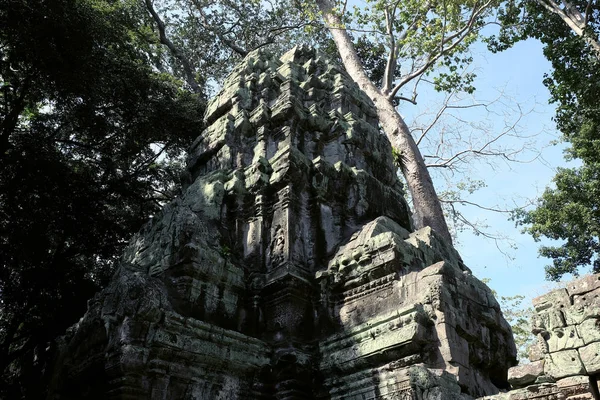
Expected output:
(584, 285)
(589, 330)
(525, 374)
(575, 388)
(564, 363)
(437, 328)
(590, 357)
(288, 268)
(566, 353)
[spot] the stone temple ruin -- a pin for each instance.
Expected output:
(565, 359)
(289, 269)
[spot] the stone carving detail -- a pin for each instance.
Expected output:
(564, 360)
(288, 268)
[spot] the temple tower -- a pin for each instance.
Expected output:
(288, 268)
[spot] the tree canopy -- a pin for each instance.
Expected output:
(91, 135)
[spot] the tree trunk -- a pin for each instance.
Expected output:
(426, 205)
(427, 209)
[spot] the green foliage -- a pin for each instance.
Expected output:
(519, 318)
(213, 36)
(372, 55)
(568, 212)
(90, 141)
(425, 37)
(397, 155)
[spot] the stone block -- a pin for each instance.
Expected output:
(556, 299)
(589, 330)
(535, 352)
(455, 350)
(587, 299)
(563, 364)
(525, 374)
(575, 388)
(563, 339)
(584, 285)
(590, 357)
(544, 391)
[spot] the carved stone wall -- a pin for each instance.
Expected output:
(288, 268)
(565, 360)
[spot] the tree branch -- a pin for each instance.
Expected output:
(239, 50)
(388, 75)
(187, 67)
(459, 35)
(588, 12)
(346, 49)
(483, 150)
(576, 24)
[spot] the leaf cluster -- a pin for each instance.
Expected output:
(568, 212)
(90, 143)
(519, 319)
(431, 38)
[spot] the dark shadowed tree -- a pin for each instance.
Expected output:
(91, 136)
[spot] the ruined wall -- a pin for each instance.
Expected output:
(565, 359)
(288, 268)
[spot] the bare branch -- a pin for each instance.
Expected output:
(270, 39)
(187, 67)
(470, 203)
(443, 153)
(410, 100)
(477, 229)
(388, 75)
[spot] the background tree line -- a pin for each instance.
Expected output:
(100, 98)
(85, 123)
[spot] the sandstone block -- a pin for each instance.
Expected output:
(584, 285)
(563, 364)
(589, 330)
(525, 374)
(564, 338)
(536, 350)
(556, 299)
(590, 357)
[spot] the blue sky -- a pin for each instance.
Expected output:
(519, 72)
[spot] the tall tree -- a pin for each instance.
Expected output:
(90, 138)
(417, 37)
(569, 211)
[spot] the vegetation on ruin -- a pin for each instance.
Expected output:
(85, 124)
(99, 99)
